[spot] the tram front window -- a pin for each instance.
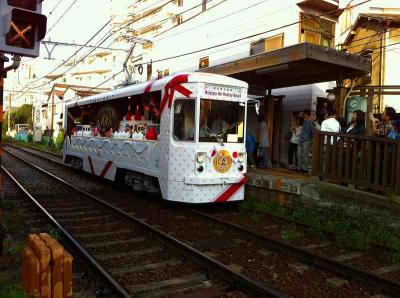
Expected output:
(184, 120)
(221, 120)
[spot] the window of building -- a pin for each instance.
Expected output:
(159, 74)
(317, 30)
(273, 43)
(178, 2)
(345, 20)
(177, 19)
(204, 5)
(267, 45)
(166, 72)
(204, 62)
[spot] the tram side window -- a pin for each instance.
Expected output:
(184, 126)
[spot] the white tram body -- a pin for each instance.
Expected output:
(197, 152)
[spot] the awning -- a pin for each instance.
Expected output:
(300, 64)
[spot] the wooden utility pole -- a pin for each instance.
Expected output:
(9, 114)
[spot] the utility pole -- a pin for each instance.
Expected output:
(9, 114)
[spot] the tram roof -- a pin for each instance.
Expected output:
(195, 77)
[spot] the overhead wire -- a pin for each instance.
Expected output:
(55, 7)
(94, 35)
(103, 39)
(61, 17)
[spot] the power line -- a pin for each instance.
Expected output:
(59, 19)
(212, 21)
(63, 63)
(69, 44)
(55, 7)
(73, 55)
(99, 43)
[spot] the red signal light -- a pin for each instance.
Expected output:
(24, 4)
(23, 28)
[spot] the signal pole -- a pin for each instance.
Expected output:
(2, 75)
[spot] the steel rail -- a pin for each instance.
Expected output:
(71, 239)
(239, 280)
(320, 261)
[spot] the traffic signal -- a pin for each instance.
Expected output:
(22, 27)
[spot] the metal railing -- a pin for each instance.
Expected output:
(368, 163)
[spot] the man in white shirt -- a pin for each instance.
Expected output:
(330, 124)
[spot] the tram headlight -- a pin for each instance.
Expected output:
(201, 157)
(241, 157)
(200, 169)
(240, 168)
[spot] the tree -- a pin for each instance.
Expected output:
(23, 115)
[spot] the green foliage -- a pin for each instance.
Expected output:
(11, 291)
(59, 143)
(290, 234)
(30, 138)
(355, 232)
(53, 232)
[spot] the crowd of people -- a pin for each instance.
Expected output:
(300, 136)
(301, 133)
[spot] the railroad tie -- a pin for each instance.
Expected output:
(102, 234)
(62, 214)
(129, 254)
(116, 242)
(146, 267)
(67, 220)
(347, 257)
(319, 245)
(188, 280)
(387, 269)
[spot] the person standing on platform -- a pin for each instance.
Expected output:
(250, 148)
(384, 127)
(293, 144)
(305, 142)
(357, 125)
(331, 124)
(263, 143)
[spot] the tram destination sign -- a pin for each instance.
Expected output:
(222, 92)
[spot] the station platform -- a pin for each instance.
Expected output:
(278, 179)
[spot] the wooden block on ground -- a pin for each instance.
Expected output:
(30, 272)
(57, 253)
(43, 254)
(67, 275)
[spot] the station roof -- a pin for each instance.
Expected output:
(295, 65)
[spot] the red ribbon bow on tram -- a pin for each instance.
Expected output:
(171, 87)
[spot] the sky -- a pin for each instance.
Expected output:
(83, 19)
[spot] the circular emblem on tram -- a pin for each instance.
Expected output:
(222, 162)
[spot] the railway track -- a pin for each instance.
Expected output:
(135, 258)
(232, 242)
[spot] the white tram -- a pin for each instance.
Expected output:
(182, 136)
